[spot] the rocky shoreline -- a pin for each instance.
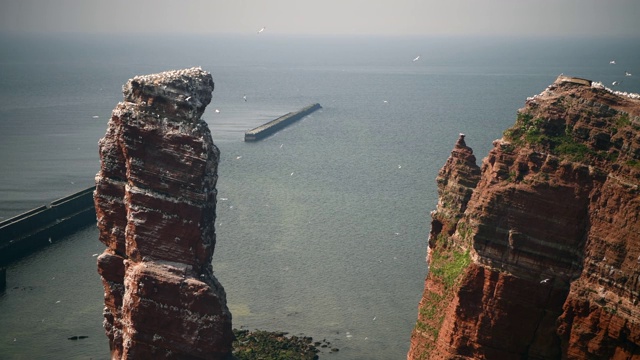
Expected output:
(276, 345)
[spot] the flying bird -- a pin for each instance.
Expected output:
(416, 59)
(626, 73)
(263, 29)
(544, 281)
(612, 62)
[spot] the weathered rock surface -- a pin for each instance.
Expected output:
(537, 254)
(155, 200)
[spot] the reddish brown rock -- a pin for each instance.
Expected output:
(155, 201)
(542, 259)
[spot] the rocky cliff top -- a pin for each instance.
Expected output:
(583, 121)
(536, 254)
(180, 94)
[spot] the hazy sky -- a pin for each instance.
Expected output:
(386, 17)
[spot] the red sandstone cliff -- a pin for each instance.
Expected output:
(155, 200)
(536, 255)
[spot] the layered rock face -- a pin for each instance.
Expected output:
(155, 200)
(536, 255)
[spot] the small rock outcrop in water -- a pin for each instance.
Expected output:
(536, 255)
(155, 200)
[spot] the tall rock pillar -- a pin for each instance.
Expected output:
(155, 200)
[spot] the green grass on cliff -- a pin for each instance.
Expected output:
(449, 266)
(537, 133)
(448, 261)
(530, 130)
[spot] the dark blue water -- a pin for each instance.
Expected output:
(322, 228)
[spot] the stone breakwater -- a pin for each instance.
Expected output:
(283, 121)
(32, 230)
(155, 202)
(536, 253)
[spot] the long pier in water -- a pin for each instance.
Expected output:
(29, 231)
(273, 126)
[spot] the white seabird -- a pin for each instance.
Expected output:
(626, 73)
(612, 62)
(416, 59)
(263, 29)
(544, 281)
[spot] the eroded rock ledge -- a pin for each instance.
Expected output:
(536, 255)
(155, 200)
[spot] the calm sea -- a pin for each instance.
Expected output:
(322, 228)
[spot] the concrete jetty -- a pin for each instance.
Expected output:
(29, 231)
(273, 126)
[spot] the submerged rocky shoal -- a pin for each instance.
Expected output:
(259, 344)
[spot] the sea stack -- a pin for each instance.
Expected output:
(536, 254)
(155, 201)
